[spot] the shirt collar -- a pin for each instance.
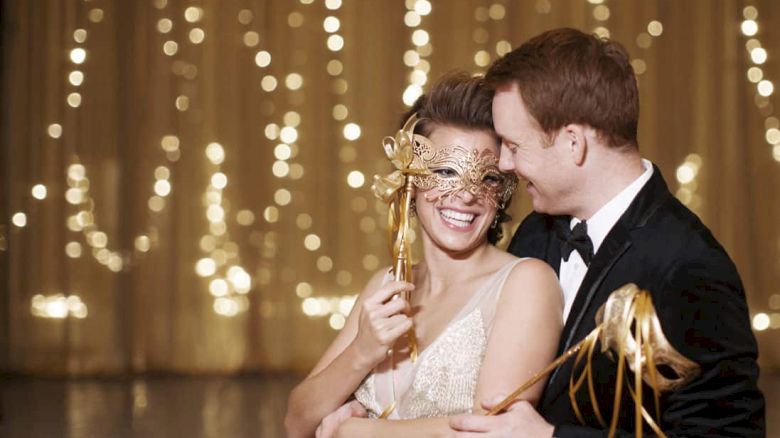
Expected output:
(607, 216)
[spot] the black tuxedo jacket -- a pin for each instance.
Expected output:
(664, 248)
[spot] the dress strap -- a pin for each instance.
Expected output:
(492, 293)
(494, 285)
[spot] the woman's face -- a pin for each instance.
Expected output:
(457, 202)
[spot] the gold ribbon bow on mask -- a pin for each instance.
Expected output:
(628, 309)
(400, 152)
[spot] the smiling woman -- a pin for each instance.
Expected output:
(476, 327)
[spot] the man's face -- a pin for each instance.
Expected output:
(544, 164)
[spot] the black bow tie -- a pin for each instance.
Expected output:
(578, 239)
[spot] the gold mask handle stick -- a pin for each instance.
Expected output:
(403, 264)
(402, 272)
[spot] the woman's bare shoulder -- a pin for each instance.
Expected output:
(532, 278)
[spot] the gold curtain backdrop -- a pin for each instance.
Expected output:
(185, 183)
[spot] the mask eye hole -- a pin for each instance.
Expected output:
(445, 172)
(667, 371)
(492, 180)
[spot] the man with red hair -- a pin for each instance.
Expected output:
(566, 107)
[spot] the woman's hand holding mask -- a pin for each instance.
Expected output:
(382, 321)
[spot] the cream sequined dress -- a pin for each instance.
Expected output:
(443, 380)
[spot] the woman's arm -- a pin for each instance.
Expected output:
(524, 338)
(423, 427)
(371, 328)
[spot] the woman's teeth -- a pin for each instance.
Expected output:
(457, 218)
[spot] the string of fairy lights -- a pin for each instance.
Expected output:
(758, 56)
(601, 13)
(415, 58)
(246, 217)
(481, 35)
(765, 88)
(688, 171)
(284, 152)
(644, 40)
(219, 264)
(77, 194)
(228, 281)
(288, 149)
(336, 308)
(60, 305)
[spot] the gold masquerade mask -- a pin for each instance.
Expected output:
(617, 315)
(455, 169)
(646, 350)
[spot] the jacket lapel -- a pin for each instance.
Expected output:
(609, 253)
(617, 242)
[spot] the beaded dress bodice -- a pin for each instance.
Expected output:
(443, 380)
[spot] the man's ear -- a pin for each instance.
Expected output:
(577, 142)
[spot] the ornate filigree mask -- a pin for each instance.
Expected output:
(675, 370)
(455, 169)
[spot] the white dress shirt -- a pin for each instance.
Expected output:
(572, 272)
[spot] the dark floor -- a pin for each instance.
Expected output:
(181, 407)
(171, 406)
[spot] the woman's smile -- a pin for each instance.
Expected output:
(456, 219)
